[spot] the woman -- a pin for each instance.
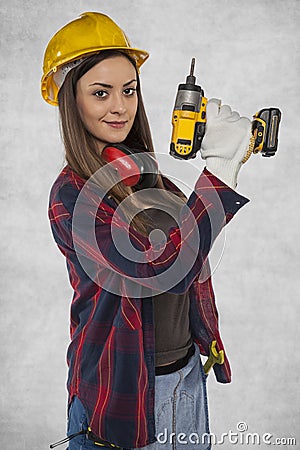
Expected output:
(143, 306)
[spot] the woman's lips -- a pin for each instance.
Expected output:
(116, 124)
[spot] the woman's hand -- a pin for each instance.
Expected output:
(225, 142)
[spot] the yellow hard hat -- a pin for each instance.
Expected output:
(90, 33)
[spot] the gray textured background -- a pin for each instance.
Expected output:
(248, 55)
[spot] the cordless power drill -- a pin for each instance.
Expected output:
(189, 119)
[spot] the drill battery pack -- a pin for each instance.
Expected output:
(265, 129)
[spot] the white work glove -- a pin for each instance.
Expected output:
(225, 142)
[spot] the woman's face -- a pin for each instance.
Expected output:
(107, 99)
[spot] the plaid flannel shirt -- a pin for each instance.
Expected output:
(112, 349)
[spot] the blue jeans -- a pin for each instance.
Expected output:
(181, 412)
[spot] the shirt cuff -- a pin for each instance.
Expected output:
(231, 201)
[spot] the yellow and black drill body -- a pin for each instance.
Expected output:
(189, 119)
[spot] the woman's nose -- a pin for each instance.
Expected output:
(118, 104)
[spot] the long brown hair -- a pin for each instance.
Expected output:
(81, 151)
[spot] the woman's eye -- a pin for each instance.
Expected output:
(101, 94)
(129, 91)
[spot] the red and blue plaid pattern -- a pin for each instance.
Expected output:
(112, 349)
